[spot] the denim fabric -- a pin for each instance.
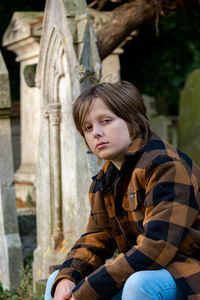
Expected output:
(50, 282)
(156, 285)
(143, 285)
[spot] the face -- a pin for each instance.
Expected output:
(106, 134)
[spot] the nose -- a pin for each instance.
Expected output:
(97, 131)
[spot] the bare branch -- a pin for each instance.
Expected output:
(131, 15)
(123, 21)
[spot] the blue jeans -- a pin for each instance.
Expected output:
(143, 285)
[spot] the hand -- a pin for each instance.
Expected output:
(64, 290)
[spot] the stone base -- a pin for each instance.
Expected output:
(44, 259)
(10, 260)
(40, 288)
(25, 186)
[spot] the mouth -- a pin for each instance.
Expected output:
(101, 145)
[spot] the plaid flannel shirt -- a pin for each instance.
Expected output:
(150, 212)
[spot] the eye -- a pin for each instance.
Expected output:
(88, 128)
(105, 121)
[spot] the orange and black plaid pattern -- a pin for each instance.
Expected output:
(150, 212)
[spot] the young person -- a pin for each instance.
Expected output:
(144, 202)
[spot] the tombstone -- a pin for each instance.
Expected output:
(22, 37)
(162, 125)
(68, 64)
(10, 250)
(189, 117)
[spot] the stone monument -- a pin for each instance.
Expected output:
(68, 64)
(189, 117)
(161, 124)
(22, 37)
(10, 250)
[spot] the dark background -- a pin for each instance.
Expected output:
(158, 64)
(7, 8)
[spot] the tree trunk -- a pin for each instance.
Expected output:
(131, 16)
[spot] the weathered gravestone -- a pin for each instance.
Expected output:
(161, 124)
(23, 37)
(68, 63)
(189, 117)
(10, 245)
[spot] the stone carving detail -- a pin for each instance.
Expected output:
(68, 63)
(53, 77)
(56, 203)
(22, 37)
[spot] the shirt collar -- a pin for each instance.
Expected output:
(137, 146)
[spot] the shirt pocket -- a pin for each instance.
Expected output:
(133, 213)
(130, 201)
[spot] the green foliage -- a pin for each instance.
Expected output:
(25, 289)
(159, 64)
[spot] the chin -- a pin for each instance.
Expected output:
(101, 157)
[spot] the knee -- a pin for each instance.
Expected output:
(52, 277)
(49, 284)
(134, 287)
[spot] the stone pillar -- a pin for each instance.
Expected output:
(111, 66)
(68, 63)
(10, 250)
(22, 37)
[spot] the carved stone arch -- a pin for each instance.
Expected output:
(54, 69)
(68, 64)
(54, 75)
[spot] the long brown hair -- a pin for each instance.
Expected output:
(123, 99)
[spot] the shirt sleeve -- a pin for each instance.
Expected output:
(170, 208)
(88, 253)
